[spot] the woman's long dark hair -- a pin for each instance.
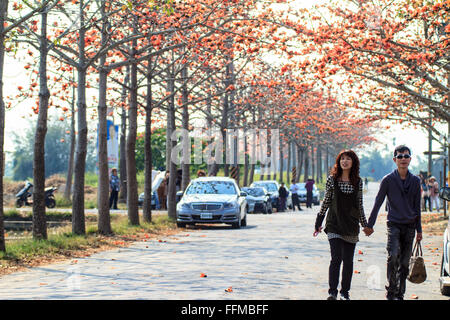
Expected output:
(336, 171)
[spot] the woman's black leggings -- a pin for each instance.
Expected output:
(341, 251)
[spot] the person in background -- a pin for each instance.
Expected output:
(425, 195)
(114, 186)
(201, 173)
(295, 200)
(309, 185)
(344, 202)
(402, 190)
(434, 194)
(282, 196)
(162, 191)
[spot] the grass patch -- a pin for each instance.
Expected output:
(63, 244)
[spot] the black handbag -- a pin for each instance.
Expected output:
(417, 270)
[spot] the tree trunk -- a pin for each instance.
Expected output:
(123, 142)
(3, 14)
(300, 154)
(68, 189)
(171, 193)
(246, 162)
(252, 174)
(313, 168)
(78, 217)
(319, 164)
(147, 207)
(185, 123)
(104, 220)
(306, 155)
(288, 165)
(132, 185)
(39, 219)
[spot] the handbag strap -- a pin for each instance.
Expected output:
(417, 250)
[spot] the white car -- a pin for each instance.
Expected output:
(212, 200)
(444, 280)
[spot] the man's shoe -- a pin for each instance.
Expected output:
(332, 297)
(345, 297)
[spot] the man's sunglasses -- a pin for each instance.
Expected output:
(402, 156)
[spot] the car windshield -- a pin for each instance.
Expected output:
(269, 186)
(301, 185)
(255, 192)
(211, 187)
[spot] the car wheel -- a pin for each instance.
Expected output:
(444, 290)
(181, 224)
(236, 225)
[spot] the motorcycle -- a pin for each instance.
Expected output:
(23, 195)
(50, 201)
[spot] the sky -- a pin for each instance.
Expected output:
(18, 117)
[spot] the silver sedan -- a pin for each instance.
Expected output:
(212, 200)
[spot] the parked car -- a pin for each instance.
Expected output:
(212, 200)
(444, 280)
(258, 200)
(302, 194)
(158, 177)
(272, 187)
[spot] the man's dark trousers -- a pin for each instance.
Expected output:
(399, 248)
(295, 202)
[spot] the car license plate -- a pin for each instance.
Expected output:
(206, 215)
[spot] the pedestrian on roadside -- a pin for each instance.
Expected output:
(114, 187)
(425, 195)
(344, 202)
(434, 194)
(366, 183)
(402, 190)
(201, 173)
(282, 196)
(295, 200)
(309, 186)
(162, 191)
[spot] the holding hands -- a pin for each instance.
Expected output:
(368, 231)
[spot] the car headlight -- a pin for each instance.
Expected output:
(183, 205)
(230, 205)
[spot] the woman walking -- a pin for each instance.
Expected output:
(343, 200)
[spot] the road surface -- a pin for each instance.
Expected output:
(274, 257)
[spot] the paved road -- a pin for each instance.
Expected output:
(274, 257)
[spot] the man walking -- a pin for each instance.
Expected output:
(295, 201)
(403, 192)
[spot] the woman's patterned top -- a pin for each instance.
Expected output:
(346, 187)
